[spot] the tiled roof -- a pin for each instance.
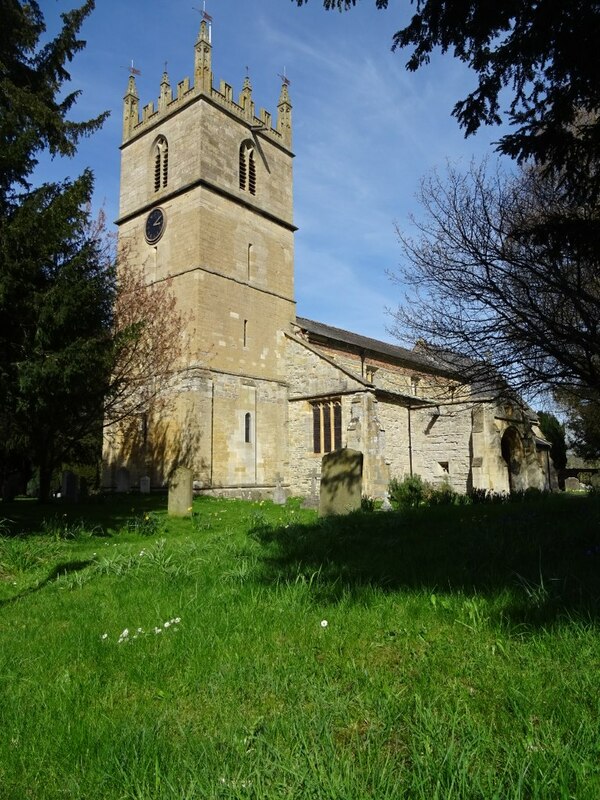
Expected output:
(414, 359)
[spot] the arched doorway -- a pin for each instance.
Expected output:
(513, 455)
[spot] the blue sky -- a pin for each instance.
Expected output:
(364, 129)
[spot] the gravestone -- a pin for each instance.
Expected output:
(123, 480)
(279, 497)
(145, 485)
(341, 482)
(573, 485)
(181, 493)
(312, 501)
(69, 487)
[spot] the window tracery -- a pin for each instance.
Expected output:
(247, 168)
(161, 163)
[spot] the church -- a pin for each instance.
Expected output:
(261, 394)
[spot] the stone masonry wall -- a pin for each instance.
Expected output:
(391, 376)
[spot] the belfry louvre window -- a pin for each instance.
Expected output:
(327, 425)
(161, 164)
(247, 168)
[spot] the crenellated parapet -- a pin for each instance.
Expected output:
(243, 108)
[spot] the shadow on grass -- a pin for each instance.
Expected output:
(547, 553)
(56, 572)
(100, 513)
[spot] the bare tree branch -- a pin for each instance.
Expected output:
(502, 277)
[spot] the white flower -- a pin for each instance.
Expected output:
(125, 633)
(167, 624)
(104, 636)
(177, 620)
(324, 623)
(139, 630)
(157, 630)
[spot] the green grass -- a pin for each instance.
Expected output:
(460, 657)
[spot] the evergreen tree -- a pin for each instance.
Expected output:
(583, 423)
(56, 289)
(554, 432)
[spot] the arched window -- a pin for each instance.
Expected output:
(247, 168)
(248, 427)
(161, 163)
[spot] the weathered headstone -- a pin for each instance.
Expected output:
(145, 484)
(123, 480)
(573, 485)
(341, 482)
(279, 497)
(69, 486)
(312, 501)
(386, 505)
(181, 493)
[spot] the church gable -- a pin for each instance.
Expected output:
(384, 366)
(312, 374)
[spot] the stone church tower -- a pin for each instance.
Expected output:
(206, 203)
(261, 395)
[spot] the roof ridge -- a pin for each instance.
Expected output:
(411, 354)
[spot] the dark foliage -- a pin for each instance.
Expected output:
(33, 109)
(554, 431)
(56, 287)
(583, 422)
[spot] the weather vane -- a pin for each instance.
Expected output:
(284, 77)
(203, 12)
(206, 17)
(132, 70)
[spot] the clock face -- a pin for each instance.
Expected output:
(155, 225)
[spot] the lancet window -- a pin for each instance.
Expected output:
(327, 425)
(247, 168)
(161, 163)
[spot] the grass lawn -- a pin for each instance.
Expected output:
(256, 652)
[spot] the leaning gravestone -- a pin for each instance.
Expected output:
(181, 493)
(341, 482)
(145, 485)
